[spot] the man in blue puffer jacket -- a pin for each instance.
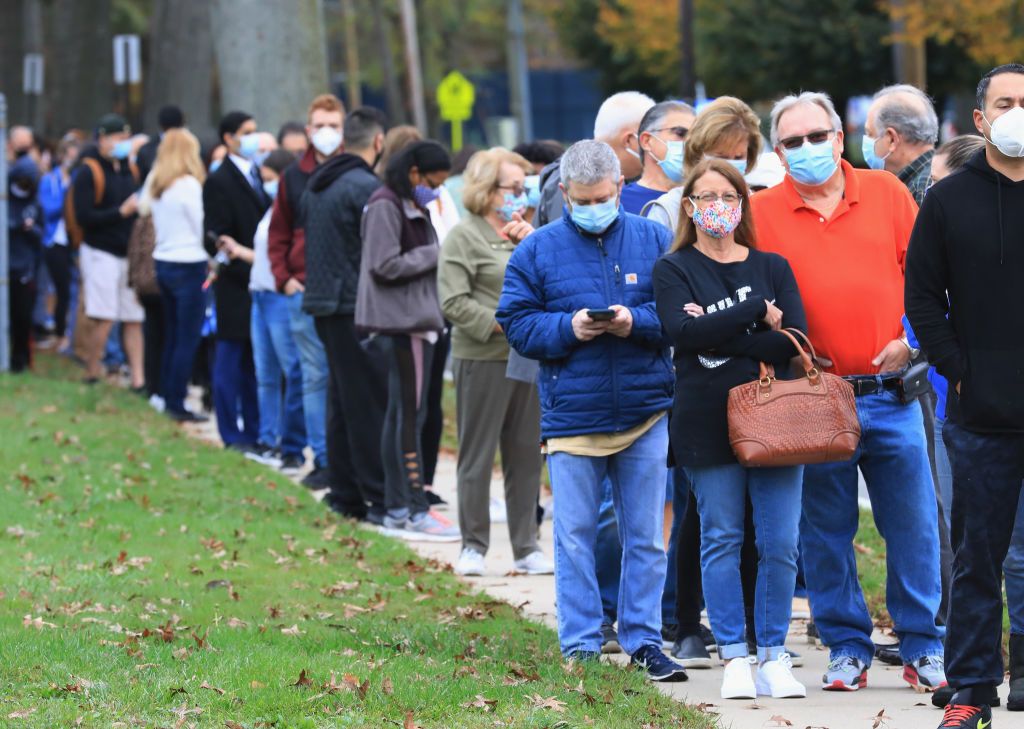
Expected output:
(578, 297)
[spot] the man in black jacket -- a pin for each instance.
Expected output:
(965, 266)
(332, 212)
(233, 204)
(169, 117)
(106, 220)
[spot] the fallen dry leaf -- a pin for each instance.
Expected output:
(205, 685)
(409, 723)
(480, 703)
(387, 686)
(37, 623)
(294, 630)
(303, 680)
(24, 713)
(550, 702)
(233, 725)
(780, 721)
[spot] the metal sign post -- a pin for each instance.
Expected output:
(455, 98)
(5, 284)
(127, 70)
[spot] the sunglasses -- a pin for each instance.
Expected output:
(818, 137)
(679, 132)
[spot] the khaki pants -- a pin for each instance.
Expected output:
(495, 412)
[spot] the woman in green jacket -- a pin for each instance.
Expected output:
(493, 411)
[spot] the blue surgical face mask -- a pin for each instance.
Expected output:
(122, 149)
(597, 217)
(532, 185)
(249, 145)
(811, 164)
(270, 187)
(872, 160)
(215, 165)
(425, 194)
(672, 165)
(513, 204)
(739, 164)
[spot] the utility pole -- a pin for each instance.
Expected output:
(518, 71)
(396, 112)
(909, 64)
(688, 65)
(5, 283)
(355, 90)
(412, 65)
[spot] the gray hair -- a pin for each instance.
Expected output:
(589, 162)
(623, 109)
(915, 123)
(655, 116)
(814, 98)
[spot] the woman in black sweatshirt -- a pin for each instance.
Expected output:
(722, 303)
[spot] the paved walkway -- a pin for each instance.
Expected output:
(887, 703)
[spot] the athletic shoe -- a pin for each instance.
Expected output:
(291, 463)
(889, 654)
(429, 527)
(609, 640)
(434, 501)
(845, 673)
(669, 635)
(498, 512)
(317, 479)
(691, 652)
(374, 517)
(266, 455)
(775, 679)
(244, 448)
(471, 562)
(708, 637)
(926, 672)
(186, 416)
(942, 696)
(961, 716)
(796, 658)
(736, 681)
(657, 665)
(535, 563)
(157, 403)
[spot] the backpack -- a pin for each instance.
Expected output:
(99, 181)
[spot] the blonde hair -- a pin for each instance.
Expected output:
(483, 174)
(177, 156)
(397, 139)
(724, 119)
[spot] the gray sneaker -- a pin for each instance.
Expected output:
(430, 527)
(845, 673)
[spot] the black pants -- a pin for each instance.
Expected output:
(356, 399)
(988, 474)
(433, 425)
(23, 301)
(689, 584)
(59, 263)
(153, 341)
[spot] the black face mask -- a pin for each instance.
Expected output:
(19, 153)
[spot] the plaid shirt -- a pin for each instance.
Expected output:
(917, 176)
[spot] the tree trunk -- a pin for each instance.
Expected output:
(271, 57)
(12, 50)
(395, 110)
(79, 68)
(180, 63)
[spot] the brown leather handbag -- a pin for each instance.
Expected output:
(811, 419)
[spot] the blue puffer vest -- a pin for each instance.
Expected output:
(608, 384)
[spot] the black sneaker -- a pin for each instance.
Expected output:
(267, 455)
(292, 463)
(374, 516)
(186, 416)
(691, 652)
(669, 635)
(317, 479)
(962, 716)
(943, 695)
(609, 640)
(708, 637)
(434, 501)
(349, 511)
(889, 654)
(658, 666)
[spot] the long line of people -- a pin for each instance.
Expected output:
(601, 302)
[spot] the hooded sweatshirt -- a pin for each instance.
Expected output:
(968, 245)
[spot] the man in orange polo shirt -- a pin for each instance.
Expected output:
(845, 232)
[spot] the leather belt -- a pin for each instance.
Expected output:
(871, 384)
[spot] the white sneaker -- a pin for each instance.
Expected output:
(535, 563)
(499, 514)
(156, 402)
(471, 562)
(775, 679)
(737, 683)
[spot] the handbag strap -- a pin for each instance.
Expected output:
(803, 338)
(767, 371)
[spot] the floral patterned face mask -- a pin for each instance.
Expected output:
(718, 219)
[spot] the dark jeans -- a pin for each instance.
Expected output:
(152, 341)
(59, 263)
(433, 424)
(181, 289)
(23, 301)
(234, 392)
(356, 401)
(401, 447)
(927, 403)
(988, 473)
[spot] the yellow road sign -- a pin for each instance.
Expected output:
(455, 97)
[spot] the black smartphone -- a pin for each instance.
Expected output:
(601, 314)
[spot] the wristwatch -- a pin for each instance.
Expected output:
(914, 352)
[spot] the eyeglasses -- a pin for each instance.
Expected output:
(731, 199)
(680, 132)
(822, 135)
(516, 190)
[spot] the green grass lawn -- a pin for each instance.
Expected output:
(152, 580)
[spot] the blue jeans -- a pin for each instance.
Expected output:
(234, 392)
(679, 488)
(721, 493)
(181, 292)
(893, 457)
(636, 476)
(275, 355)
(313, 361)
(608, 556)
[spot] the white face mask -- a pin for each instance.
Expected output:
(1008, 132)
(326, 140)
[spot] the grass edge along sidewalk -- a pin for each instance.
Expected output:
(150, 580)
